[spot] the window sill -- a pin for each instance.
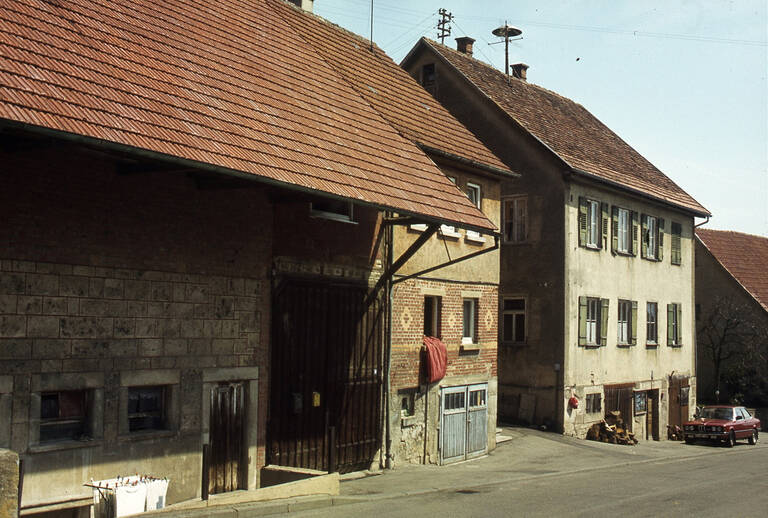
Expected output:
(146, 434)
(675, 346)
(418, 227)
(64, 445)
(623, 254)
(474, 238)
(407, 421)
(623, 346)
(471, 350)
(651, 346)
(591, 346)
(450, 234)
(594, 248)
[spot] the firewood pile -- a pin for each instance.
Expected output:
(611, 430)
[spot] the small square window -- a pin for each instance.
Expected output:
(147, 408)
(64, 415)
(594, 403)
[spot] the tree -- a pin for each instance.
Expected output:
(735, 337)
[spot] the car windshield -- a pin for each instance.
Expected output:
(717, 413)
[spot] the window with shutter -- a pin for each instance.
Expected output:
(651, 328)
(593, 321)
(674, 313)
(676, 255)
(622, 231)
(593, 223)
(516, 219)
(627, 322)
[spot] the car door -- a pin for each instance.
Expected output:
(742, 426)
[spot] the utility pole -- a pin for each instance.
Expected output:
(444, 25)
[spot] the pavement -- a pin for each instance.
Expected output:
(521, 454)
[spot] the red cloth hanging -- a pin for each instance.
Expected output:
(436, 357)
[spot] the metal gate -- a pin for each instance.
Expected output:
(325, 380)
(463, 422)
(621, 398)
(227, 433)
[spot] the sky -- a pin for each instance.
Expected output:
(684, 82)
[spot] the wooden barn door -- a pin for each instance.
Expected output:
(678, 400)
(621, 398)
(227, 434)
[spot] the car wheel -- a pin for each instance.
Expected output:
(731, 440)
(753, 438)
(689, 440)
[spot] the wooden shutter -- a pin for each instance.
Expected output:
(582, 320)
(439, 323)
(677, 253)
(583, 212)
(603, 322)
(644, 234)
(679, 308)
(670, 312)
(633, 241)
(660, 240)
(604, 227)
(633, 338)
(614, 229)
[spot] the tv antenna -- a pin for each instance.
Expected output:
(509, 33)
(444, 25)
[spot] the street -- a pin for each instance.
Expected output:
(712, 481)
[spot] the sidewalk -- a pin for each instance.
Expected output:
(526, 454)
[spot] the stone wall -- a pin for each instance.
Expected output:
(9, 484)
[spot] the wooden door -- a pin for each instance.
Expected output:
(227, 433)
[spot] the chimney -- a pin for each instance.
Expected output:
(520, 71)
(304, 4)
(464, 45)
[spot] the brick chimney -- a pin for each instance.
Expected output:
(520, 71)
(464, 45)
(304, 4)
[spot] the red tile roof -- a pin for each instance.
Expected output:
(227, 84)
(744, 256)
(389, 88)
(569, 130)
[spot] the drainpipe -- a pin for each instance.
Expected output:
(388, 345)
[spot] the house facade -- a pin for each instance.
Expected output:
(596, 279)
(731, 316)
(196, 257)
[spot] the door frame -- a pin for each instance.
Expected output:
(212, 377)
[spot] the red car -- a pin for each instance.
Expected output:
(722, 423)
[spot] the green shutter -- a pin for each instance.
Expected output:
(604, 227)
(677, 252)
(583, 221)
(582, 320)
(670, 310)
(679, 324)
(614, 229)
(603, 322)
(644, 234)
(660, 240)
(634, 233)
(633, 338)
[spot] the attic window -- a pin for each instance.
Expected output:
(337, 210)
(428, 78)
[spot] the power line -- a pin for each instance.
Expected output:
(411, 29)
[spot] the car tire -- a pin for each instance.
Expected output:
(753, 438)
(731, 440)
(689, 440)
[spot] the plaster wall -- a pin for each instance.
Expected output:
(599, 273)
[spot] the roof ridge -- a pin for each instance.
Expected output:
(727, 231)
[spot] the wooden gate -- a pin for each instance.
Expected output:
(678, 400)
(227, 434)
(325, 380)
(463, 422)
(621, 398)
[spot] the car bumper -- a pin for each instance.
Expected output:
(714, 436)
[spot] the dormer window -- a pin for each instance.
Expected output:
(428, 78)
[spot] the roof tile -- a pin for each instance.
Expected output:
(229, 83)
(744, 256)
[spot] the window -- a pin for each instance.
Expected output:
(516, 220)
(624, 231)
(474, 195)
(641, 402)
(593, 223)
(469, 335)
(627, 323)
(428, 78)
(674, 312)
(513, 321)
(338, 210)
(432, 313)
(651, 326)
(64, 415)
(594, 403)
(653, 238)
(147, 408)
(676, 255)
(593, 321)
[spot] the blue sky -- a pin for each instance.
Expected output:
(683, 82)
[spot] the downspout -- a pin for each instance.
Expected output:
(388, 345)
(702, 223)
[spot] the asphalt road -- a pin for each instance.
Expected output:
(721, 482)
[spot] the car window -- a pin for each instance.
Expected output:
(746, 413)
(717, 413)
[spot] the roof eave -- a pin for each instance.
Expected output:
(505, 173)
(119, 148)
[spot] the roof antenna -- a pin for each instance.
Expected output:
(444, 25)
(506, 31)
(371, 25)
